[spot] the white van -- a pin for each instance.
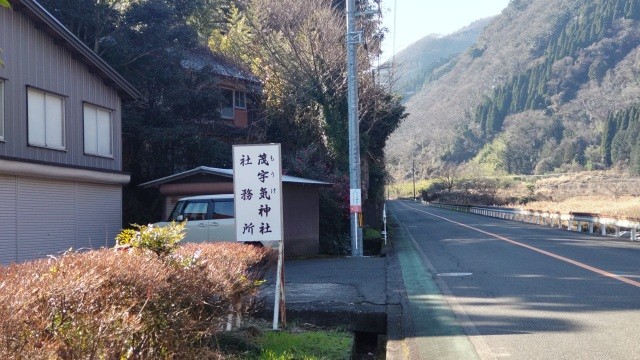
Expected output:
(209, 218)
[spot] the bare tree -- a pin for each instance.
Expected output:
(450, 175)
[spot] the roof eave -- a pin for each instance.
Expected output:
(112, 78)
(221, 173)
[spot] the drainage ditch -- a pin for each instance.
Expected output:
(369, 346)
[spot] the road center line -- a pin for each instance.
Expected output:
(544, 252)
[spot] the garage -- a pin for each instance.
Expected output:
(41, 217)
(301, 209)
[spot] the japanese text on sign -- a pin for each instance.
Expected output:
(257, 187)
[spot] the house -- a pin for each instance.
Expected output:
(300, 200)
(240, 89)
(61, 175)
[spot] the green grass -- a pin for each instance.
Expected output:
(405, 189)
(308, 345)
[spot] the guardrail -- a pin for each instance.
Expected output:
(573, 221)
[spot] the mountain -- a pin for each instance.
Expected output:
(550, 85)
(420, 62)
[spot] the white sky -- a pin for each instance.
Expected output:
(415, 19)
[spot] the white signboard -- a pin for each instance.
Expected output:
(355, 200)
(257, 189)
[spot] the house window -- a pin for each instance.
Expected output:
(98, 126)
(241, 99)
(232, 100)
(1, 110)
(226, 108)
(45, 119)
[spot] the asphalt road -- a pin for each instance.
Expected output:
(491, 289)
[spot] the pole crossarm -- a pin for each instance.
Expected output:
(355, 37)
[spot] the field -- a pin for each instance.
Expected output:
(602, 192)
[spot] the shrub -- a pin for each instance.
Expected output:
(370, 233)
(123, 305)
(433, 191)
(161, 240)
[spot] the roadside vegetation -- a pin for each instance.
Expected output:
(150, 298)
(308, 345)
(603, 192)
(131, 302)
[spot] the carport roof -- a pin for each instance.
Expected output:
(228, 173)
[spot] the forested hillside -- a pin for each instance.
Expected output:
(425, 60)
(550, 86)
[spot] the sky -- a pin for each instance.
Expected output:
(415, 19)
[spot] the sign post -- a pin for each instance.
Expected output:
(257, 189)
(384, 220)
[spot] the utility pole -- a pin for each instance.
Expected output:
(355, 187)
(413, 173)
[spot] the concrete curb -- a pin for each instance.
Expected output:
(341, 292)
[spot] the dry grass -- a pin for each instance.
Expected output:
(126, 304)
(610, 192)
(602, 192)
(626, 206)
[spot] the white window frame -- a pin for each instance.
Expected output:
(1, 109)
(97, 124)
(50, 116)
(240, 99)
(226, 107)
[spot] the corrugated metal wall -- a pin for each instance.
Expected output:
(31, 58)
(46, 217)
(99, 214)
(8, 219)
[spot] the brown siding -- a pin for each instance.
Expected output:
(241, 118)
(33, 59)
(301, 219)
(186, 189)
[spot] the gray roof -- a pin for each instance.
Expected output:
(60, 33)
(228, 173)
(219, 64)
